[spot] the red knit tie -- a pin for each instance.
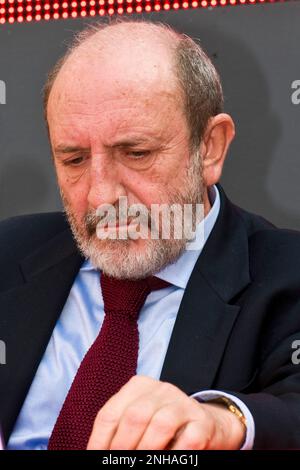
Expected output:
(109, 363)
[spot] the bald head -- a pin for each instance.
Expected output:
(133, 57)
(126, 58)
(140, 35)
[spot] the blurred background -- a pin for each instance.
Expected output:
(256, 49)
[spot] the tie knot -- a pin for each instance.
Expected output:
(125, 296)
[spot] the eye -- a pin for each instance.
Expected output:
(77, 161)
(135, 155)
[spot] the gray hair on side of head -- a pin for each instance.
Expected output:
(196, 75)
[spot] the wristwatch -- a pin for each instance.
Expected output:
(231, 406)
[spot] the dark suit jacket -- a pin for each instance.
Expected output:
(234, 331)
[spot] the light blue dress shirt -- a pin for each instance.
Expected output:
(78, 327)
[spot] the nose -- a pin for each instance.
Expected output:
(105, 182)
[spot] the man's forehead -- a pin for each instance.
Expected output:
(114, 105)
(114, 94)
(114, 123)
(113, 81)
(114, 114)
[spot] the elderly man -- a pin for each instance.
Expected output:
(141, 342)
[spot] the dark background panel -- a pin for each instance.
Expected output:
(256, 49)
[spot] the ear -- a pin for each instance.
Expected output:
(217, 137)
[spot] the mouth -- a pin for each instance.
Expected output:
(123, 231)
(114, 224)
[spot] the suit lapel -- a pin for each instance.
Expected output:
(49, 274)
(199, 337)
(207, 313)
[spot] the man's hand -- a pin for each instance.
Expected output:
(147, 414)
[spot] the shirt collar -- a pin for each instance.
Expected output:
(178, 273)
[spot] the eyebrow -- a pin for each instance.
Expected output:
(130, 142)
(123, 143)
(64, 149)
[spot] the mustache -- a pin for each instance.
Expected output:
(91, 219)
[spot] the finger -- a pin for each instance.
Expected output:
(108, 418)
(195, 435)
(164, 425)
(134, 422)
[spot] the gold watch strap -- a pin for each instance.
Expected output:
(231, 406)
